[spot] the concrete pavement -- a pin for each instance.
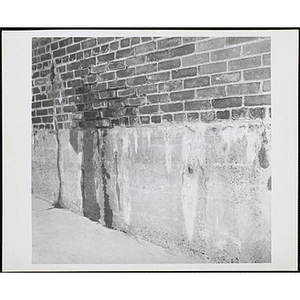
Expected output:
(62, 237)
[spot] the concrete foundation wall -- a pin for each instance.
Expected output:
(202, 190)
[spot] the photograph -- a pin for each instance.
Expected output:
(151, 150)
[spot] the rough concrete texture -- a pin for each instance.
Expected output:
(199, 190)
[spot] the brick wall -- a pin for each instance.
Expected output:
(104, 82)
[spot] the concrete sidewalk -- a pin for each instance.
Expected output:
(62, 237)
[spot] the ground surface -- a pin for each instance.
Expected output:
(62, 237)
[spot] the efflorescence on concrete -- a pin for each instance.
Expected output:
(168, 139)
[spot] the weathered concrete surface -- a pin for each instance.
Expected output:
(202, 190)
(62, 237)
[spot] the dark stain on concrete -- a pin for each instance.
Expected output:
(262, 156)
(117, 180)
(269, 183)
(91, 207)
(108, 213)
(74, 140)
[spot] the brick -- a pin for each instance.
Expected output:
(125, 73)
(158, 98)
(163, 76)
(41, 97)
(226, 54)
(267, 86)
(87, 62)
(149, 68)
(125, 43)
(147, 89)
(257, 113)
(149, 109)
(169, 42)
(184, 95)
(35, 74)
(207, 116)
(101, 86)
(45, 56)
(197, 105)
(171, 107)
(69, 92)
(196, 82)
(65, 42)
(156, 56)
(124, 53)
(91, 78)
(35, 90)
(258, 47)
(54, 46)
(79, 55)
(210, 44)
(87, 53)
(225, 78)
(194, 116)
(68, 109)
(244, 63)
(142, 48)
(91, 114)
(41, 50)
(82, 72)
(95, 50)
(36, 120)
(188, 39)
(170, 86)
(79, 39)
(212, 68)
(263, 73)
(88, 44)
(247, 88)
(145, 119)
(74, 83)
(227, 102)
(110, 94)
(73, 48)
(258, 100)
(137, 60)
(73, 66)
(196, 59)
(117, 84)
(183, 50)
(146, 39)
(223, 114)
(155, 119)
(238, 40)
(212, 92)
(105, 57)
(61, 69)
(103, 40)
(126, 92)
(187, 72)
(116, 65)
(179, 117)
(36, 104)
(134, 41)
(48, 119)
(98, 69)
(167, 118)
(47, 103)
(66, 76)
(239, 113)
(267, 59)
(169, 64)
(136, 81)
